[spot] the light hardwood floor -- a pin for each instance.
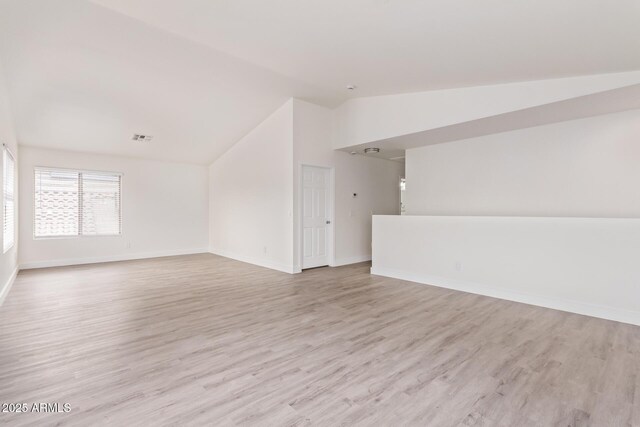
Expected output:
(202, 339)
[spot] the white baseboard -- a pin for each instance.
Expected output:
(261, 262)
(276, 265)
(351, 260)
(572, 306)
(110, 258)
(4, 291)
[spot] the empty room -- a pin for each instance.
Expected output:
(320, 213)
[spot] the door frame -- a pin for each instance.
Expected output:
(332, 216)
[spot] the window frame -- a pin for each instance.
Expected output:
(7, 152)
(80, 197)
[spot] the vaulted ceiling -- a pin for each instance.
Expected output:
(199, 74)
(393, 46)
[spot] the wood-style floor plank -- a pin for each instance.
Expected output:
(205, 340)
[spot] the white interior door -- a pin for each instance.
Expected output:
(315, 217)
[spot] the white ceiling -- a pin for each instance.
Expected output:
(85, 78)
(199, 74)
(605, 102)
(393, 46)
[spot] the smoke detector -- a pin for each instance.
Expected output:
(141, 137)
(371, 150)
(351, 87)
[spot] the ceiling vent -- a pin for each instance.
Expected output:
(141, 137)
(371, 150)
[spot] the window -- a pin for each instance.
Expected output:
(76, 203)
(9, 200)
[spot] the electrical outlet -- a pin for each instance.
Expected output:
(264, 250)
(457, 266)
(128, 245)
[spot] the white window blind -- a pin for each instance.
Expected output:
(76, 203)
(100, 203)
(9, 200)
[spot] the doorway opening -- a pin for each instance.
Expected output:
(403, 187)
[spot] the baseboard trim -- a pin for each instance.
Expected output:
(8, 284)
(351, 260)
(111, 258)
(571, 306)
(260, 262)
(275, 265)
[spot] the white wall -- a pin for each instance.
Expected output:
(9, 260)
(376, 182)
(546, 215)
(580, 168)
(254, 190)
(164, 210)
(251, 195)
(583, 265)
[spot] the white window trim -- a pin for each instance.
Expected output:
(78, 236)
(5, 149)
